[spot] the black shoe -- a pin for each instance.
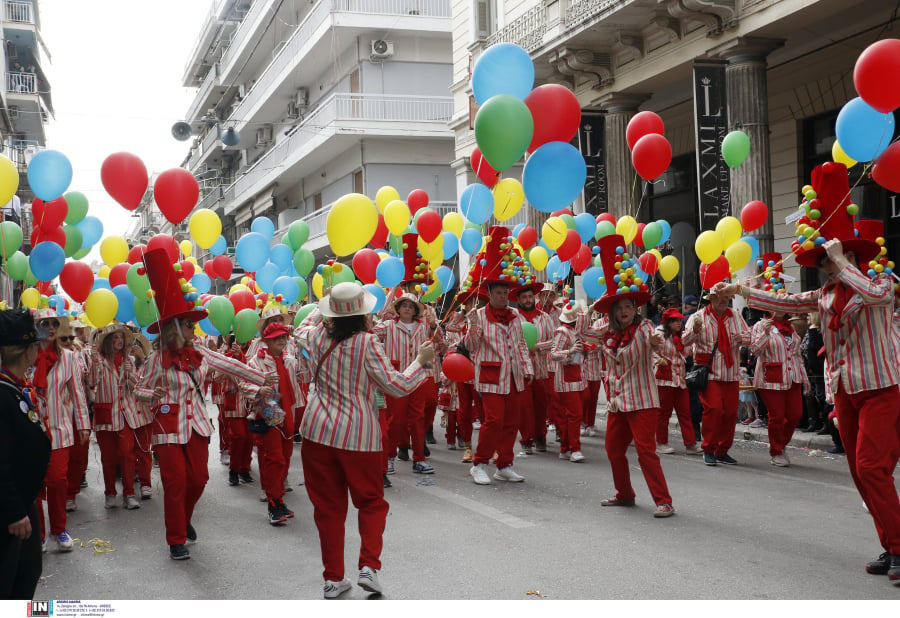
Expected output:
(387, 481)
(881, 565)
(191, 533)
(709, 459)
(836, 450)
(540, 445)
(726, 459)
(403, 454)
(894, 571)
(803, 428)
(245, 477)
(427, 451)
(84, 482)
(233, 478)
(284, 509)
(429, 437)
(179, 552)
(824, 431)
(276, 514)
(816, 428)
(298, 438)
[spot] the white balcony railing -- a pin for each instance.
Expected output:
(20, 12)
(21, 82)
(242, 33)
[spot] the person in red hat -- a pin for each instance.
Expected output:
(628, 341)
(568, 382)
(469, 406)
(863, 373)
(171, 382)
(673, 391)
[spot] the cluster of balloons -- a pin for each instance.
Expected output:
(728, 248)
(651, 152)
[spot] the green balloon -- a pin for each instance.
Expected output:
(305, 310)
(304, 289)
(570, 221)
(145, 311)
(221, 313)
(81, 253)
(531, 334)
(78, 206)
(74, 240)
(503, 130)
(604, 228)
(298, 233)
(10, 238)
(735, 148)
(434, 291)
(30, 278)
(345, 276)
(304, 262)
(652, 234)
(245, 325)
(17, 266)
(138, 284)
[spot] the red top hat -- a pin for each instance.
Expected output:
(417, 269)
(464, 295)
(174, 296)
(618, 275)
(834, 220)
(500, 262)
(771, 268)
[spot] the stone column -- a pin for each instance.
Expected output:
(623, 184)
(748, 111)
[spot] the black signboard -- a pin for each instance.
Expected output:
(711, 121)
(592, 142)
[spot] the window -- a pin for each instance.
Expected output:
(485, 18)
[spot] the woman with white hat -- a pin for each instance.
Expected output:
(568, 351)
(78, 454)
(342, 442)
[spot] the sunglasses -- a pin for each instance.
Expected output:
(66, 339)
(49, 323)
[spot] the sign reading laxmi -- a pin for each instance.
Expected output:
(711, 122)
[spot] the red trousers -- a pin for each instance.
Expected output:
(554, 410)
(117, 449)
(78, 463)
(330, 474)
(526, 415)
(56, 482)
(537, 399)
(680, 399)
(498, 428)
(469, 409)
(224, 442)
(407, 418)
(452, 428)
(720, 402)
(384, 423)
(431, 401)
(143, 454)
(785, 409)
(569, 426)
(590, 398)
(241, 443)
(621, 429)
(184, 469)
(273, 452)
(869, 423)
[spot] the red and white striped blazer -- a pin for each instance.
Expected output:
(62, 404)
(540, 354)
(703, 342)
(861, 353)
(499, 354)
(265, 365)
(116, 388)
(594, 360)
(674, 360)
(402, 345)
(771, 348)
(563, 380)
(630, 371)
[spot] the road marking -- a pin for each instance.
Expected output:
(477, 507)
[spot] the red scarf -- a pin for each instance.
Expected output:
(679, 345)
(724, 340)
(502, 316)
(532, 315)
(784, 327)
(622, 338)
(841, 296)
(184, 359)
(118, 359)
(284, 381)
(45, 361)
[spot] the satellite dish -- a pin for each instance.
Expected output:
(230, 137)
(181, 131)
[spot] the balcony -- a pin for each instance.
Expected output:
(21, 83)
(205, 95)
(18, 12)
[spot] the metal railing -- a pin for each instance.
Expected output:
(212, 77)
(582, 10)
(211, 18)
(20, 12)
(20, 152)
(241, 34)
(214, 195)
(425, 8)
(17, 81)
(527, 31)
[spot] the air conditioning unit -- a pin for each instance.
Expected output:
(264, 136)
(302, 97)
(293, 111)
(381, 49)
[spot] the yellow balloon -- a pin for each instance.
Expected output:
(554, 233)
(317, 283)
(396, 217)
(509, 196)
(351, 224)
(627, 228)
(454, 223)
(738, 255)
(187, 247)
(385, 196)
(101, 307)
(539, 258)
(205, 227)
(199, 331)
(113, 250)
(708, 246)
(729, 230)
(657, 254)
(192, 260)
(31, 298)
(839, 156)
(104, 272)
(239, 287)
(668, 267)
(9, 179)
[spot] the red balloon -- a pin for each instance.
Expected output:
(561, 212)
(49, 215)
(417, 200)
(711, 274)
(187, 270)
(606, 216)
(753, 215)
(570, 246)
(381, 234)
(487, 174)
(44, 288)
(125, 178)
(242, 299)
(556, 113)
(649, 263)
(457, 367)
(176, 193)
(223, 266)
(651, 156)
(582, 259)
(164, 241)
(365, 262)
(118, 273)
(643, 123)
(77, 279)
(209, 268)
(136, 254)
(55, 234)
(639, 237)
(528, 237)
(886, 170)
(429, 225)
(875, 75)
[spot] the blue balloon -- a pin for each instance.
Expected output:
(379, 295)
(667, 231)
(125, 313)
(288, 288)
(585, 225)
(517, 229)
(504, 68)
(862, 131)
(590, 282)
(91, 230)
(754, 244)
(282, 256)
(451, 245)
(219, 246)
(557, 270)
(266, 276)
(554, 176)
(202, 282)
(476, 203)
(49, 174)
(470, 241)
(46, 260)
(444, 274)
(101, 284)
(264, 226)
(252, 251)
(57, 302)
(207, 327)
(390, 271)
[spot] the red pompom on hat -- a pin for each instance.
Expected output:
(171, 295)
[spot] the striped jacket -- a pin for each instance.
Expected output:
(116, 388)
(402, 345)
(499, 353)
(861, 353)
(266, 364)
(704, 341)
(630, 374)
(594, 361)
(540, 354)
(674, 361)
(779, 363)
(568, 377)
(62, 404)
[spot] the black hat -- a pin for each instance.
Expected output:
(17, 328)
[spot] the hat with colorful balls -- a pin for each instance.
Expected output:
(828, 214)
(416, 268)
(873, 230)
(770, 265)
(620, 275)
(174, 296)
(500, 262)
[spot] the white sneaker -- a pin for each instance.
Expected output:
(368, 580)
(476, 425)
(693, 449)
(566, 455)
(111, 502)
(131, 503)
(576, 457)
(528, 449)
(664, 449)
(71, 506)
(333, 590)
(44, 546)
(584, 431)
(786, 458)
(593, 432)
(146, 492)
(781, 461)
(480, 475)
(509, 475)
(64, 541)
(225, 458)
